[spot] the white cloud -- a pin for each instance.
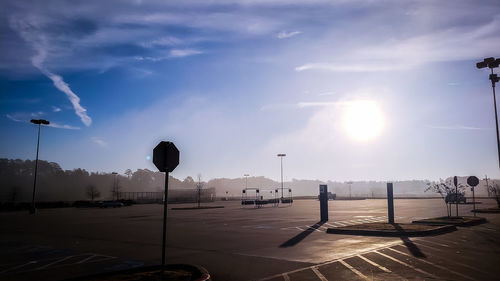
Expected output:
(349, 67)
(56, 109)
(458, 127)
(61, 126)
(179, 53)
(28, 31)
(14, 118)
(285, 34)
(100, 142)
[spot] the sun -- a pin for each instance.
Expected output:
(363, 120)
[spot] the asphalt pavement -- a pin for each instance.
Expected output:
(245, 243)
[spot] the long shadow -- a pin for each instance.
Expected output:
(414, 250)
(299, 237)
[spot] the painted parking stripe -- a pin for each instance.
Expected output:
(17, 267)
(435, 265)
(310, 228)
(439, 244)
(320, 276)
(407, 265)
(374, 263)
(55, 262)
(285, 276)
(354, 270)
(299, 228)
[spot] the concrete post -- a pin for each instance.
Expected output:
(390, 202)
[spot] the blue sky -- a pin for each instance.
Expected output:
(233, 83)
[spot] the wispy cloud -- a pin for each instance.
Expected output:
(60, 126)
(39, 42)
(100, 142)
(349, 67)
(458, 127)
(179, 53)
(25, 117)
(56, 109)
(285, 34)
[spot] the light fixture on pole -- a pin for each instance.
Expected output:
(246, 180)
(281, 155)
(115, 188)
(38, 122)
(493, 63)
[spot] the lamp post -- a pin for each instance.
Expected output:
(281, 155)
(492, 63)
(115, 189)
(38, 122)
(246, 180)
(350, 194)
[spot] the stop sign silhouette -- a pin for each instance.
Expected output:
(166, 156)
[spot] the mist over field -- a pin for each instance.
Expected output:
(56, 184)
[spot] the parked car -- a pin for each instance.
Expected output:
(453, 198)
(114, 204)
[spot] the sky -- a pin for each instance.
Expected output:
(348, 90)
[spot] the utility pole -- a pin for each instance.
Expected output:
(246, 180)
(487, 186)
(38, 122)
(281, 155)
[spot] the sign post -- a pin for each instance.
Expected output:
(390, 202)
(473, 182)
(455, 181)
(323, 202)
(166, 159)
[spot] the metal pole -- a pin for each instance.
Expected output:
(456, 197)
(474, 201)
(487, 186)
(164, 237)
(32, 211)
(281, 157)
(390, 202)
(496, 116)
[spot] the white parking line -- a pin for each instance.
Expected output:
(56, 262)
(439, 244)
(320, 276)
(285, 276)
(354, 270)
(408, 265)
(374, 263)
(17, 267)
(435, 265)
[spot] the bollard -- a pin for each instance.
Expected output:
(390, 202)
(323, 202)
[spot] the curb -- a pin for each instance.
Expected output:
(366, 232)
(201, 272)
(472, 222)
(487, 211)
(196, 208)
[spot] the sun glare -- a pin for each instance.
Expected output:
(363, 120)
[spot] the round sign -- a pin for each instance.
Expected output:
(472, 181)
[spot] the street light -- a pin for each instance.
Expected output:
(38, 122)
(492, 63)
(350, 194)
(246, 180)
(115, 189)
(281, 155)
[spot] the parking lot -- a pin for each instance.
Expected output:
(235, 243)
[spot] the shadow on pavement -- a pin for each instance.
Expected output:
(414, 250)
(299, 237)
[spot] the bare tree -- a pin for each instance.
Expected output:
(115, 189)
(494, 189)
(129, 173)
(199, 186)
(92, 192)
(446, 188)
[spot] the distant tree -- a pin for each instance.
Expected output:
(129, 173)
(199, 186)
(92, 192)
(445, 188)
(14, 193)
(115, 189)
(494, 189)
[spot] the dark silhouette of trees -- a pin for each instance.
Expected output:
(129, 173)
(494, 188)
(92, 192)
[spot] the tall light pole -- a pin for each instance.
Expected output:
(492, 63)
(487, 186)
(38, 122)
(246, 180)
(115, 189)
(350, 194)
(281, 155)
